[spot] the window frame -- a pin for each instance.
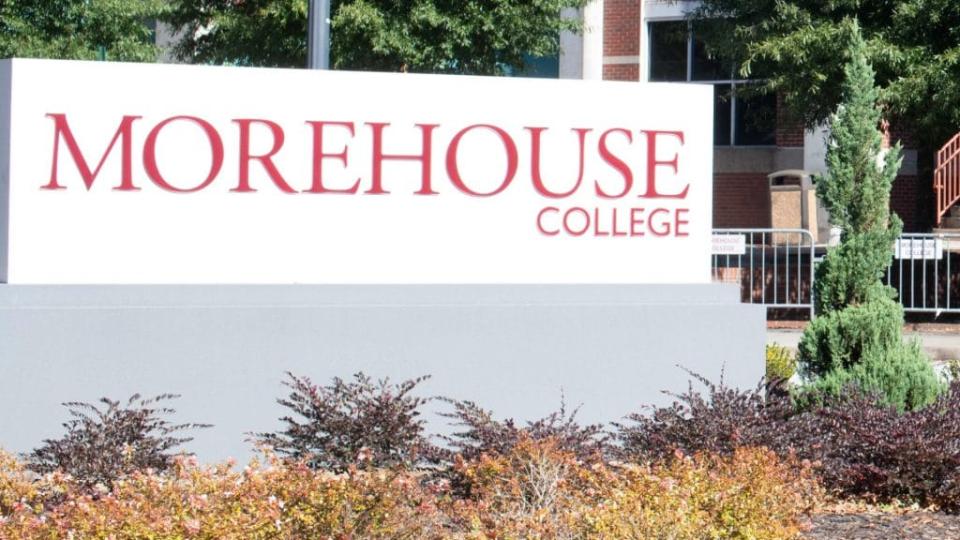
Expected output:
(733, 81)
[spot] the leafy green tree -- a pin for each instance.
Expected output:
(79, 29)
(800, 47)
(437, 36)
(856, 338)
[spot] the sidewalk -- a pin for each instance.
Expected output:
(940, 341)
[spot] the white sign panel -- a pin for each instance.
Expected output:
(126, 173)
(918, 248)
(729, 244)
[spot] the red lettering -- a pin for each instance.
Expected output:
(150, 153)
(124, 134)
(618, 164)
(662, 227)
(540, 227)
(596, 223)
(578, 221)
(653, 163)
(319, 155)
(265, 159)
(453, 170)
(615, 231)
(424, 158)
(636, 222)
(535, 149)
(681, 222)
(566, 221)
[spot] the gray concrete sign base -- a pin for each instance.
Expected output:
(513, 349)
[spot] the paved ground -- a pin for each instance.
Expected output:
(940, 342)
(911, 526)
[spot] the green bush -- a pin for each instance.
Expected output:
(862, 346)
(901, 378)
(781, 363)
(841, 339)
(856, 338)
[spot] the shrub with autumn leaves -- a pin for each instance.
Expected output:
(537, 490)
(749, 494)
(541, 491)
(268, 499)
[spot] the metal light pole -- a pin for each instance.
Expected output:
(318, 36)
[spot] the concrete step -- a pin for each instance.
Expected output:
(950, 222)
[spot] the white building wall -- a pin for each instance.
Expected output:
(581, 55)
(166, 39)
(571, 50)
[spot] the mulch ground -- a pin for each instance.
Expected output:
(878, 526)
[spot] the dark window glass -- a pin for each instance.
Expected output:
(705, 67)
(722, 98)
(756, 119)
(540, 67)
(668, 51)
(544, 67)
(739, 118)
(152, 26)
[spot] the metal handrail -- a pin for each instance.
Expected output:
(947, 177)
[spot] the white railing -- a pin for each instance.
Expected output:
(774, 267)
(922, 272)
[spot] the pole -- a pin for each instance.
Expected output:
(318, 36)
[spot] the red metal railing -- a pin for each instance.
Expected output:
(946, 178)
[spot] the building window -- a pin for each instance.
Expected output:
(741, 118)
(541, 67)
(537, 67)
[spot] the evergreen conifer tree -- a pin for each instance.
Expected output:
(856, 338)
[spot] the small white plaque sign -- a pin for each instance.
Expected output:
(918, 248)
(729, 244)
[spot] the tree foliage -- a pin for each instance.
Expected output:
(79, 29)
(800, 47)
(856, 339)
(436, 36)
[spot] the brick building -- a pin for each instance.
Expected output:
(654, 41)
